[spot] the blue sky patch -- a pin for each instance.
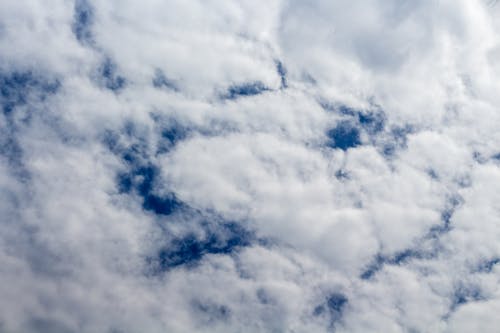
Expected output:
(220, 238)
(398, 140)
(17, 88)
(280, 68)
(83, 19)
(354, 124)
(452, 204)
(332, 308)
(160, 80)
(372, 121)
(13, 153)
(171, 134)
(464, 294)
(110, 78)
(373, 268)
(21, 89)
(245, 90)
(487, 266)
(344, 136)
(141, 181)
(398, 258)
(141, 176)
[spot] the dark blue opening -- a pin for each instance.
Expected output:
(20, 89)
(398, 258)
(189, 250)
(446, 216)
(373, 268)
(373, 122)
(344, 136)
(141, 180)
(336, 302)
(280, 68)
(10, 148)
(345, 110)
(404, 256)
(488, 265)
(82, 22)
(465, 294)
(496, 156)
(244, 90)
(342, 174)
(160, 80)
(399, 138)
(170, 136)
(110, 78)
(141, 176)
(16, 88)
(333, 307)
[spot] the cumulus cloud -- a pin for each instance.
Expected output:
(249, 166)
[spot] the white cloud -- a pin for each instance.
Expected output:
(116, 114)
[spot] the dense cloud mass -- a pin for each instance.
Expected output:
(249, 166)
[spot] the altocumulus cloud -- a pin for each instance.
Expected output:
(249, 166)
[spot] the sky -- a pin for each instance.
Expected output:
(249, 166)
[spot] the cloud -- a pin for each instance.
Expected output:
(249, 166)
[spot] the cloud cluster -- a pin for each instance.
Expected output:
(249, 166)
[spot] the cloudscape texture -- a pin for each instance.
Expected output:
(249, 166)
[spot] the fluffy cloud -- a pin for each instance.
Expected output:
(249, 166)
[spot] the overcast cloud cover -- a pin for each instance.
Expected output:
(249, 166)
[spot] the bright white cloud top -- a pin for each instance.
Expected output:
(249, 166)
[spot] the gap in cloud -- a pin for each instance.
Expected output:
(373, 268)
(344, 136)
(187, 251)
(245, 90)
(11, 150)
(282, 72)
(22, 93)
(464, 181)
(432, 174)
(487, 266)
(464, 294)
(479, 158)
(452, 205)
(427, 247)
(423, 249)
(83, 19)
(354, 124)
(397, 139)
(171, 133)
(161, 81)
(496, 157)
(109, 77)
(372, 121)
(342, 174)
(332, 308)
(19, 88)
(141, 180)
(399, 258)
(141, 175)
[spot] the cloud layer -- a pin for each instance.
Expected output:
(249, 166)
